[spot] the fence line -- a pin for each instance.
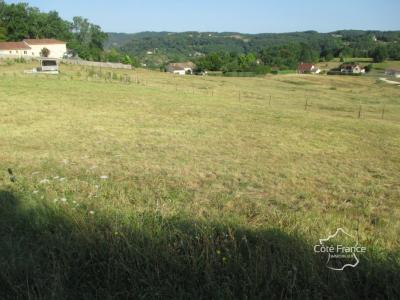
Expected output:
(379, 111)
(96, 64)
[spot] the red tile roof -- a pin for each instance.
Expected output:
(305, 67)
(14, 46)
(43, 42)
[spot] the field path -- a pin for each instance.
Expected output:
(389, 81)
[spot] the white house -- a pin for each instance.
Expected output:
(181, 68)
(352, 68)
(15, 49)
(33, 48)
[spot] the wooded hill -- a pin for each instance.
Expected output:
(155, 48)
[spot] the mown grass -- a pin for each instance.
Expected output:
(195, 187)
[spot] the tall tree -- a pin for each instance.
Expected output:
(379, 54)
(87, 39)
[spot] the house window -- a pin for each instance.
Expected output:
(10, 52)
(25, 52)
(16, 51)
(33, 53)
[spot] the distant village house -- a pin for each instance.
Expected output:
(33, 48)
(353, 68)
(393, 72)
(304, 68)
(181, 68)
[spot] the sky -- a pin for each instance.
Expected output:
(246, 16)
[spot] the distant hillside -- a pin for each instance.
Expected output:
(158, 47)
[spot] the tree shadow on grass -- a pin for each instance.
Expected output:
(46, 254)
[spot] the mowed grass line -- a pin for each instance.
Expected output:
(151, 191)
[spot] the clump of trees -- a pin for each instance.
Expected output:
(230, 62)
(115, 56)
(379, 54)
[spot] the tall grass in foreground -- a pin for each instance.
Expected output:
(51, 253)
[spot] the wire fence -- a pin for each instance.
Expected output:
(384, 110)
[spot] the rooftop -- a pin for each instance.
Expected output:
(14, 46)
(44, 42)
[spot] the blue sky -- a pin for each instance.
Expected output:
(249, 16)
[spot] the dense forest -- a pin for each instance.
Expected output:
(230, 51)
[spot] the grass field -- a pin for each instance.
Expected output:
(195, 187)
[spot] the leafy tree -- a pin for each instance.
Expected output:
(394, 51)
(16, 20)
(307, 54)
(127, 60)
(345, 53)
(3, 32)
(379, 54)
(112, 56)
(45, 52)
(87, 39)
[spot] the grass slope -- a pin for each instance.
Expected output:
(195, 187)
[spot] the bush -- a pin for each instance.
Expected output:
(368, 68)
(20, 60)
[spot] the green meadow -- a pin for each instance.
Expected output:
(140, 184)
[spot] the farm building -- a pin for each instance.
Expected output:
(353, 68)
(393, 72)
(33, 48)
(304, 68)
(181, 68)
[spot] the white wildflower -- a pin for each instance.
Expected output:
(44, 181)
(56, 177)
(62, 179)
(64, 199)
(55, 200)
(91, 212)
(104, 177)
(35, 192)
